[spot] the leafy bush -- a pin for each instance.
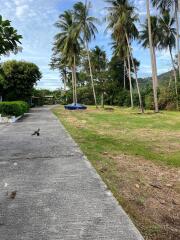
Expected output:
(149, 102)
(16, 108)
(17, 79)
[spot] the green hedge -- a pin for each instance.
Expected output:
(16, 108)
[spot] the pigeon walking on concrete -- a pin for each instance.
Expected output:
(13, 195)
(36, 133)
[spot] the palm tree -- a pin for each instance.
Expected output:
(120, 49)
(171, 5)
(119, 41)
(9, 38)
(99, 66)
(151, 41)
(122, 20)
(130, 78)
(86, 26)
(59, 62)
(155, 35)
(67, 42)
(168, 41)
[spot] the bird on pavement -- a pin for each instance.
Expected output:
(13, 195)
(37, 132)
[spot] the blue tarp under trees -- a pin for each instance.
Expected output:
(75, 106)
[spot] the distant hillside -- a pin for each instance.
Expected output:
(163, 79)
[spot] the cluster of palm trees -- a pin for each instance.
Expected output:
(158, 32)
(77, 28)
(163, 35)
(122, 23)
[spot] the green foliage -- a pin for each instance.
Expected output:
(156, 32)
(18, 79)
(58, 96)
(16, 108)
(149, 102)
(67, 41)
(85, 22)
(168, 98)
(9, 38)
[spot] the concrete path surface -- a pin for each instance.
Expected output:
(59, 196)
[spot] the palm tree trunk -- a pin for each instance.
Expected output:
(124, 73)
(130, 80)
(65, 80)
(91, 75)
(73, 84)
(177, 36)
(102, 100)
(135, 71)
(75, 80)
(154, 75)
(175, 79)
(155, 67)
(65, 84)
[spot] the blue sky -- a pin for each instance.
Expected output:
(34, 19)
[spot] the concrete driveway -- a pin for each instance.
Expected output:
(59, 196)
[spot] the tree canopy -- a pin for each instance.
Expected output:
(17, 79)
(9, 38)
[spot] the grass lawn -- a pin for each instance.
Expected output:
(138, 157)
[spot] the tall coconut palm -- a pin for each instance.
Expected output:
(168, 40)
(68, 43)
(86, 25)
(155, 36)
(59, 62)
(149, 42)
(99, 66)
(171, 5)
(122, 20)
(131, 33)
(120, 49)
(130, 78)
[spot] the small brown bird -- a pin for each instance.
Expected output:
(13, 195)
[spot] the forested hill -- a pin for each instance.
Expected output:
(163, 79)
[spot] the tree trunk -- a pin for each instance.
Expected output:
(130, 79)
(154, 75)
(65, 81)
(175, 79)
(155, 67)
(135, 72)
(177, 36)
(91, 75)
(102, 100)
(73, 84)
(124, 73)
(75, 81)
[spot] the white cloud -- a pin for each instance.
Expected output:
(21, 10)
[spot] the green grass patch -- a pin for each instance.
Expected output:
(152, 136)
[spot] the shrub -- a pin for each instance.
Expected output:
(18, 79)
(149, 102)
(167, 98)
(16, 108)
